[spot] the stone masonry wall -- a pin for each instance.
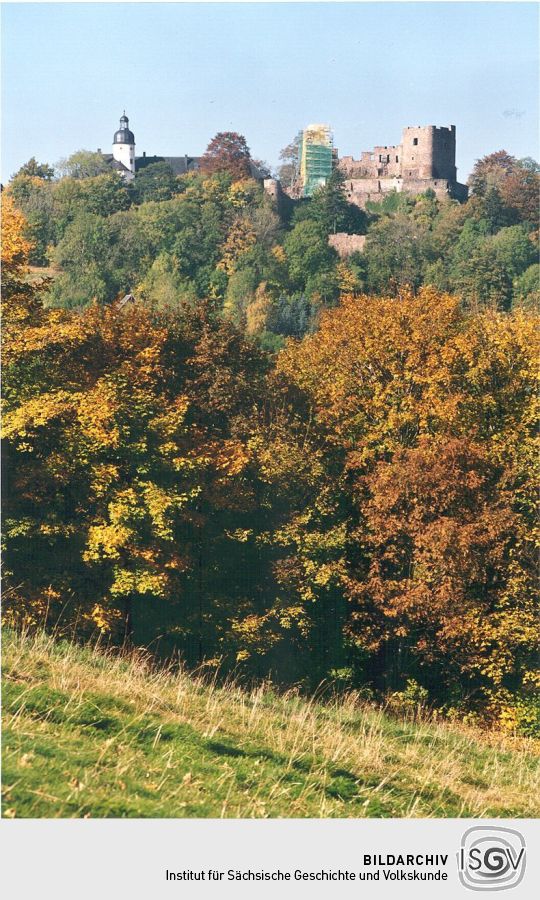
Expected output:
(429, 152)
(425, 152)
(361, 190)
(345, 244)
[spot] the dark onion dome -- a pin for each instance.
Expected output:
(124, 135)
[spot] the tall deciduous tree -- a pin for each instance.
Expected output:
(411, 434)
(83, 164)
(154, 182)
(129, 466)
(517, 182)
(290, 166)
(36, 170)
(227, 152)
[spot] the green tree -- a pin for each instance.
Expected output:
(68, 201)
(493, 210)
(308, 254)
(164, 288)
(330, 208)
(83, 256)
(35, 170)
(483, 279)
(132, 247)
(395, 253)
(34, 197)
(83, 164)
(239, 294)
(483, 266)
(526, 288)
(154, 182)
(105, 194)
(515, 249)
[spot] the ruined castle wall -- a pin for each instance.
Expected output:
(381, 162)
(417, 152)
(425, 160)
(444, 153)
(345, 244)
(361, 190)
(272, 187)
(429, 152)
(440, 186)
(283, 202)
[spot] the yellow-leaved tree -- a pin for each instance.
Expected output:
(127, 462)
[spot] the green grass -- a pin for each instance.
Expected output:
(88, 734)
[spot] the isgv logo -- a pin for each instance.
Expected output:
(491, 858)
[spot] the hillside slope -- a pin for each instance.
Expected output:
(86, 734)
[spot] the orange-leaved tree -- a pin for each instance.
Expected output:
(415, 427)
(227, 152)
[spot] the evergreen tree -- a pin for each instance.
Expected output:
(330, 208)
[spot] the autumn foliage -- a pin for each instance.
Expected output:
(416, 446)
(126, 460)
(517, 183)
(227, 152)
(364, 505)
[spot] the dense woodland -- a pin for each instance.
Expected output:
(273, 460)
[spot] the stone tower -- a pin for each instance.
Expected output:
(124, 145)
(429, 152)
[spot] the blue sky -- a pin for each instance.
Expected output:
(184, 71)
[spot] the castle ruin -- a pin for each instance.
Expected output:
(425, 159)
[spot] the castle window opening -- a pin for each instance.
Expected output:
(415, 141)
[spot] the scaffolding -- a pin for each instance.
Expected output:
(317, 157)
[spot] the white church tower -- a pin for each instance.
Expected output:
(124, 145)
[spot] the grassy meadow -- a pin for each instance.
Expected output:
(89, 734)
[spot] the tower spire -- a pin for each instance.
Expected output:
(124, 146)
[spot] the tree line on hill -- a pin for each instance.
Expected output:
(261, 476)
(215, 234)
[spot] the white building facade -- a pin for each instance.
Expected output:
(124, 147)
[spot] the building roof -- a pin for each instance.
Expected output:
(118, 166)
(123, 136)
(258, 173)
(179, 164)
(182, 164)
(128, 300)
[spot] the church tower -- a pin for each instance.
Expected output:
(124, 145)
